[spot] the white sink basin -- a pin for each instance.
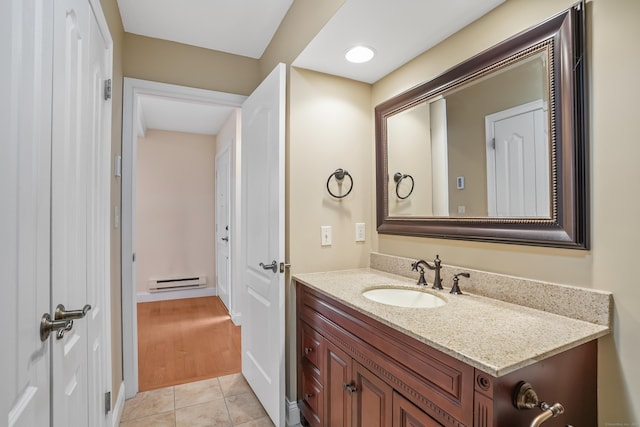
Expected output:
(403, 297)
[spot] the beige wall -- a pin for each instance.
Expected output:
(112, 15)
(610, 265)
(175, 197)
(409, 136)
(330, 128)
(162, 61)
(330, 125)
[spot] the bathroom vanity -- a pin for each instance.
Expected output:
(363, 363)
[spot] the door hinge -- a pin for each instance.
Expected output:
(134, 257)
(107, 89)
(107, 402)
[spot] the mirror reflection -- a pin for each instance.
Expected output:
(477, 149)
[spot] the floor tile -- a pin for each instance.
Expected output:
(233, 385)
(244, 408)
(148, 403)
(197, 392)
(159, 420)
(209, 414)
(261, 422)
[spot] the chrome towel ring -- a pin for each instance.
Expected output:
(398, 177)
(339, 175)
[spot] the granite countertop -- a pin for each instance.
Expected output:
(494, 336)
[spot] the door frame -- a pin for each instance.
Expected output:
(133, 88)
(224, 155)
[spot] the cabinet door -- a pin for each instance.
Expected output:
(312, 403)
(406, 414)
(312, 346)
(338, 379)
(372, 400)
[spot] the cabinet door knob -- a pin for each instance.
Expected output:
(308, 395)
(308, 350)
(350, 388)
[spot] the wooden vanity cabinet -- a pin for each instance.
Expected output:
(362, 368)
(354, 371)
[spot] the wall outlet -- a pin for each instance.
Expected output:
(360, 232)
(325, 235)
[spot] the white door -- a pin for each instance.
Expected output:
(55, 223)
(80, 212)
(518, 162)
(25, 119)
(223, 209)
(263, 136)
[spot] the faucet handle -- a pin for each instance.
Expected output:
(455, 289)
(419, 265)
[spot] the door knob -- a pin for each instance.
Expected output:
(350, 388)
(47, 326)
(225, 239)
(273, 266)
(62, 322)
(63, 314)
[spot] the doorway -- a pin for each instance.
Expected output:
(259, 200)
(134, 90)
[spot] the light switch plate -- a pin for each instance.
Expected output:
(360, 232)
(325, 235)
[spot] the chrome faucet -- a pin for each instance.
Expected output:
(437, 281)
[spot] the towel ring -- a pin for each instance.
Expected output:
(398, 177)
(339, 174)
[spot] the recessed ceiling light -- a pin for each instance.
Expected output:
(359, 54)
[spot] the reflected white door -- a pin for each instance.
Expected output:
(80, 179)
(263, 134)
(518, 162)
(223, 209)
(25, 159)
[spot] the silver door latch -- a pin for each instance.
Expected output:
(273, 266)
(62, 322)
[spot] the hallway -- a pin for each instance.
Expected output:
(185, 340)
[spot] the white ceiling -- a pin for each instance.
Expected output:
(241, 27)
(398, 31)
(157, 112)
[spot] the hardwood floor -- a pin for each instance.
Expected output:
(185, 340)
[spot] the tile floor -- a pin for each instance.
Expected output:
(219, 402)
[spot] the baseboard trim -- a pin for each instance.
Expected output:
(293, 413)
(236, 318)
(178, 294)
(116, 414)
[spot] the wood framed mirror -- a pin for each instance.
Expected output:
(495, 148)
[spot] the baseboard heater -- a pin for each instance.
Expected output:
(177, 283)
